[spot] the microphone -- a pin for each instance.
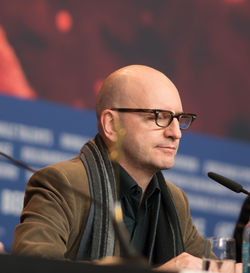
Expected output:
(230, 184)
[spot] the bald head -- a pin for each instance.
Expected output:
(127, 86)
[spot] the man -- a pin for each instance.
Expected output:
(140, 117)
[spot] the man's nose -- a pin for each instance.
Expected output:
(173, 130)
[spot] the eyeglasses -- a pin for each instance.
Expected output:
(163, 118)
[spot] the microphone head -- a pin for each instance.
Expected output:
(230, 184)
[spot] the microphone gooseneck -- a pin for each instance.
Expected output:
(123, 237)
(230, 184)
(17, 162)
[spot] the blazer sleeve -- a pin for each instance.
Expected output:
(54, 212)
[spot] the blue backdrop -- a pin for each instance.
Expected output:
(40, 133)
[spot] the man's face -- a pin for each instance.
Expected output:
(145, 145)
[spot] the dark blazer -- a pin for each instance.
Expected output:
(56, 208)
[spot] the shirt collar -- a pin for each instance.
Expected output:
(128, 184)
(153, 186)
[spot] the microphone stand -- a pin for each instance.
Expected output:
(18, 162)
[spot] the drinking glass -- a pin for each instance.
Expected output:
(224, 249)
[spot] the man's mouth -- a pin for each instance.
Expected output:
(166, 148)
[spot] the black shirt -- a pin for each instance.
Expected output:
(137, 217)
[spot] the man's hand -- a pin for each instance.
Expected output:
(187, 261)
(239, 268)
(182, 261)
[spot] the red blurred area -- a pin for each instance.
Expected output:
(234, 1)
(12, 78)
(146, 17)
(63, 20)
(97, 85)
(66, 48)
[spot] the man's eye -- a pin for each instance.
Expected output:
(164, 116)
(150, 117)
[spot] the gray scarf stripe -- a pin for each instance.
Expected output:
(99, 176)
(107, 198)
(98, 210)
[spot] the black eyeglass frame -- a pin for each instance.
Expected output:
(156, 113)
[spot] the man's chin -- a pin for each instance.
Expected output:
(165, 166)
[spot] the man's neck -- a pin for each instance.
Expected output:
(141, 177)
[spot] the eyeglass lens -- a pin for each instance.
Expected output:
(164, 119)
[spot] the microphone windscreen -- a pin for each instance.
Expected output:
(232, 185)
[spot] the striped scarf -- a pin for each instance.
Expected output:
(98, 239)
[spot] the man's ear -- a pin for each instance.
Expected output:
(108, 123)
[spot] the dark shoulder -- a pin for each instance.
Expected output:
(72, 167)
(69, 168)
(70, 172)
